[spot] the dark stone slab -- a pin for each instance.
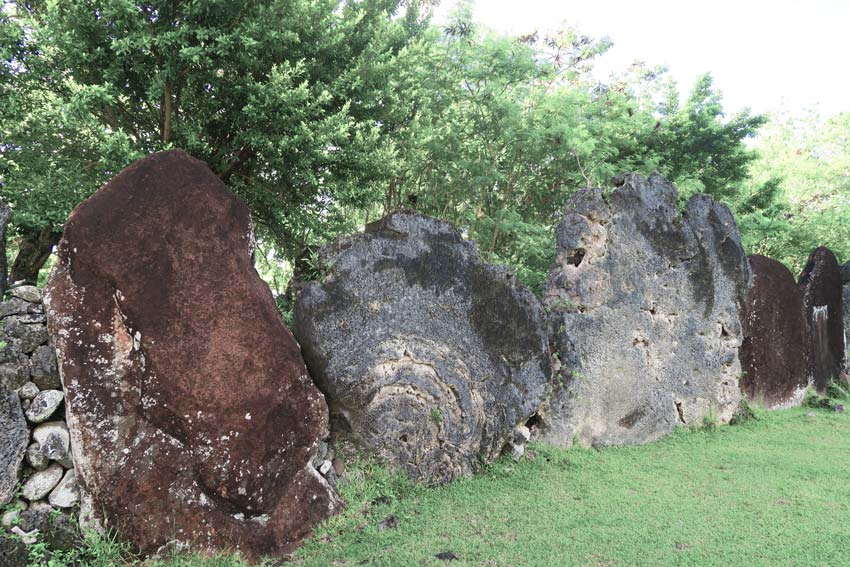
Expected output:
(773, 353)
(190, 409)
(820, 284)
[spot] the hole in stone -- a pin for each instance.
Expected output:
(403, 438)
(723, 332)
(534, 421)
(681, 413)
(576, 257)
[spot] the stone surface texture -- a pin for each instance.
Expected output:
(643, 303)
(429, 357)
(820, 284)
(191, 413)
(773, 353)
(14, 438)
(845, 303)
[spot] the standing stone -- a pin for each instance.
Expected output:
(191, 412)
(820, 284)
(644, 312)
(773, 353)
(428, 355)
(845, 303)
(14, 436)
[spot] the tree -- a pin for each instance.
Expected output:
(280, 98)
(696, 148)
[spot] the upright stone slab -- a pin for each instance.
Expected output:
(192, 416)
(845, 312)
(773, 353)
(644, 313)
(820, 284)
(429, 356)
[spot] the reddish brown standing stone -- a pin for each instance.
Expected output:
(191, 412)
(820, 284)
(773, 352)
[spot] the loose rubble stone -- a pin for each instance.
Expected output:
(41, 483)
(14, 373)
(28, 391)
(429, 357)
(160, 321)
(820, 285)
(644, 313)
(773, 353)
(44, 371)
(66, 494)
(27, 293)
(54, 440)
(16, 306)
(14, 436)
(35, 458)
(13, 551)
(43, 405)
(12, 513)
(24, 335)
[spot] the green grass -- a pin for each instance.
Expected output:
(770, 492)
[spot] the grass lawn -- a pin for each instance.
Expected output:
(771, 492)
(775, 491)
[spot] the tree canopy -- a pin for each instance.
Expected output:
(324, 114)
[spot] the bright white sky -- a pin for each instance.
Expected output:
(767, 55)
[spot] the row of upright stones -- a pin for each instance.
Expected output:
(192, 415)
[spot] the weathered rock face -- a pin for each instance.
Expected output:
(820, 284)
(191, 413)
(773, 353)
(13, 443)
(644, 311)
(428, 355)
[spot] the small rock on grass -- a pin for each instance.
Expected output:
(388, 523)
(447, 556)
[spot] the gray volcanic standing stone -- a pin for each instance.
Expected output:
(773, 353)
(14, 436)
(820, 284)
(431, 356)
(643, 305)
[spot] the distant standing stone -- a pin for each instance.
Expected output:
(820, 284)
(773, 353)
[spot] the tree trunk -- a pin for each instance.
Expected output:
(5, 217)
(33, 252)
